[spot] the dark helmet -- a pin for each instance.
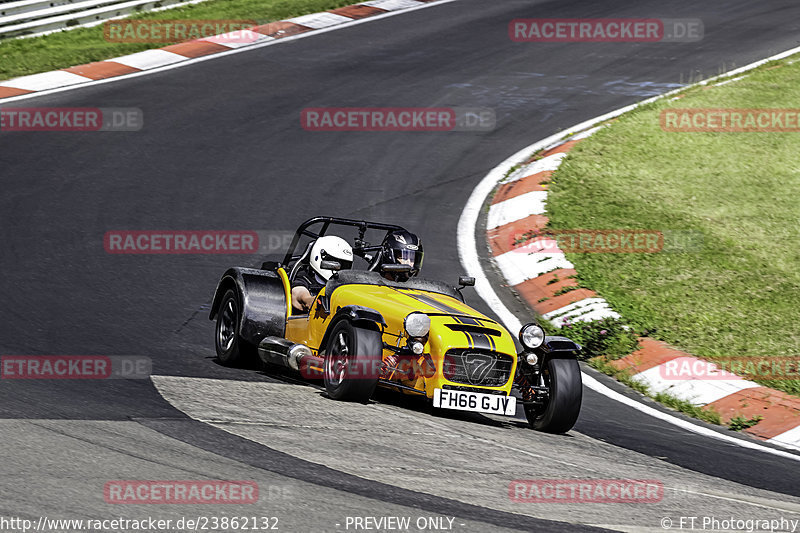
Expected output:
(401, 247)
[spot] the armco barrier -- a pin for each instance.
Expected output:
(27, 18)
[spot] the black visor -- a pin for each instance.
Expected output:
(345, 264)
(404, 256)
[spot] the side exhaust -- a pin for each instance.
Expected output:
(277, 350)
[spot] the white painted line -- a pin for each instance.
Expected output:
(517, 208)
(518, 267)
(392, 5)
(468, 254)
(413, 6)
(695, 391)
(45, 81)
(586, 310)
(551, 162)
(574, 306)
(729, 81)
(596, 313)
(598, 387)
(538, 246)
(789, 439)
(238, 39)
(149, 59)
(585, 134)
(319, 20)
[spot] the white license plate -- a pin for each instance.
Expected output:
(475, 401)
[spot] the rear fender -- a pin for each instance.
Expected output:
(262, 298)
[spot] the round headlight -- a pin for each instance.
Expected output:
(531, 336)
(417, 324)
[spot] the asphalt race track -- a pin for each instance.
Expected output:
(223, 148)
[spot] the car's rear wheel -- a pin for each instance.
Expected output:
(562, 377)
(231, 348)
(352, 362)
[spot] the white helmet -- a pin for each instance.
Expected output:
(330, 248)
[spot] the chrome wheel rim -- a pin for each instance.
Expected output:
(337, 359)
(227, 326)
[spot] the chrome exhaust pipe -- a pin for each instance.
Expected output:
(277, 350)
(296, 354)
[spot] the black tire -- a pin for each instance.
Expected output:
(352, 362)
(231, 349)
(563, 379)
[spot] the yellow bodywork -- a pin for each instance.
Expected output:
(394, 304)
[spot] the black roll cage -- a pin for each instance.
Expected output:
(361, 247)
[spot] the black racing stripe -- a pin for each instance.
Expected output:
(457, 314)
(479, 338)
(491, 341)
(437, 304)
(475, 339)
(428, 301)
(482, 340)
(470, 340)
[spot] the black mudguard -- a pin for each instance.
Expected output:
(558, 347)
(553, 347)
(358, 313)
(359, 316)
(262, 300)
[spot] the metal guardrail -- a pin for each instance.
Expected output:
(27, 18)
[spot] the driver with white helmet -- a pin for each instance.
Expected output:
(311, 278)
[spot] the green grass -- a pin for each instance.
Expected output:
(707, 414)
(738, 295)
(19, 57)
(738, 423)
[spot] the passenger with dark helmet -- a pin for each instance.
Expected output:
(400, 247)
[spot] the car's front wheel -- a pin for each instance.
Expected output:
(562, 377)
(352, 362)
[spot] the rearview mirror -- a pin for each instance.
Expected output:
(269, 265)
(330, 265)
(466, 281)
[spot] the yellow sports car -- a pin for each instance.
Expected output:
(383, 326)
